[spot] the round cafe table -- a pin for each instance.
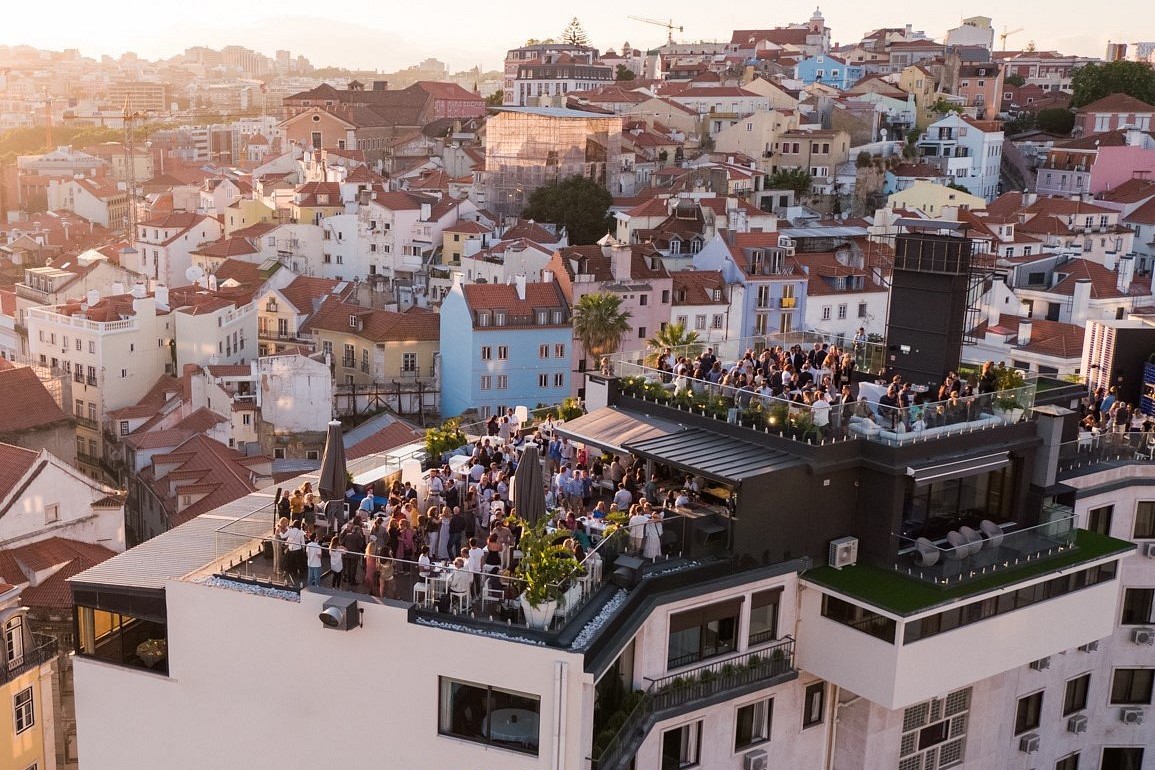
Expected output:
(500, 726)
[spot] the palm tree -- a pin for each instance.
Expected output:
(676, 337)
(599, 323)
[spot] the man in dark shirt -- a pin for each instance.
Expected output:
(354, 542)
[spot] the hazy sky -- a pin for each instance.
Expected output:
(392, 34)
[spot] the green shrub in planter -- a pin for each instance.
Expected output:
(755, 661)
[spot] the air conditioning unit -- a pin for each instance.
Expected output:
(843, 552)
(1029, 743)
(1145, 636)
(1147, 549)
(1042, 664)
(1077, 724)
(755, 760)
(1089, 647)
(1131, 716)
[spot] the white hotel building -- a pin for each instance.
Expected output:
(1026, 647)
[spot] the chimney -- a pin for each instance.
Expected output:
(620, 257)
(1025, 331)
(380, 85)
(426, 211)
(992, 315)
(1081, 301)
(1126, 271)
(519, 284)
(161, 292)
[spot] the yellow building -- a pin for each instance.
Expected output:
(246, 212)
(367, 345)
(26, 740)
(932, 198)
(456, 238)
(919, 81)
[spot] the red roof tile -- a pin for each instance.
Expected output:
(415, 324)
(14, 463)
(26, 404)
(70, 557)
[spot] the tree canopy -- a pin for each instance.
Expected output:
(676, 337)
(574, 33)
(495, 99)
(622, 72)
(796, 179)
(579, 203)
(1092, 82)
(1055, 120)
(599, 323)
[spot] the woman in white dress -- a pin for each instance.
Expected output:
(652, 538)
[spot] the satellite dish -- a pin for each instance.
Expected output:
(194, 273)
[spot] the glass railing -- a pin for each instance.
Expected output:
(1093, 451)
(489, 595)
(970, 554)
(867, 417)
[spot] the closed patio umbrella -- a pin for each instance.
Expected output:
(528, 490)
(334, 476)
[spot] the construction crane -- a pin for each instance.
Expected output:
(668, 24)
(1005, 34)
(129, 118)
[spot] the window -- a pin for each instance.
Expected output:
(502, 352)
(475, 712)
(842, 312)
(862, 310)
(643, 299)
(764, 616)
(486, 353)
(543, 380)
(312, 454)
(1137, 606)
(1122, 758)
(858, 618)
(559, 351)
(704, 632)
(826, 312)
(543, 351)
(1099, 519)
(752, 725)
(25, 710)
(814, 707)
(1069, 762)
(681, 746)
(1028, 715)
(14, 641)
(700, 322)
(641, 332)
(934, 732)
(559, 380)
(409, 362)
(1075, 697)
(278, 453)
(1145, 519)
(486, 382)
(716, 321)
(502, 381)
(51, 513)
(246, 419)
(1131, 686)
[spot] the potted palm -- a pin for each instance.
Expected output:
(544, 567)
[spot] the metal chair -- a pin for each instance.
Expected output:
(421, 589)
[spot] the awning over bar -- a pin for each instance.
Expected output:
(928, 474)
(611, 428)
(713, 455)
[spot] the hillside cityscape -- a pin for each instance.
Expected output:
(617, 408)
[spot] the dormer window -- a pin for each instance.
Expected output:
(353, 322)
(271, 305)
(541, 317)
(499, 318)
(717, 295)
(322, 199)
(557, 317)
(483, 318)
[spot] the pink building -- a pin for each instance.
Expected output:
(633, 272)
(1112, 112)
(1115, 165)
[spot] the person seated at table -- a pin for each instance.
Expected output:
(671, 498)
(424, 564)
(460, 579)
(572, 545)
(682, 500)
(599, 511)
(568, 522)
(691, 486)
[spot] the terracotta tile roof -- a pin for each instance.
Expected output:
(496, 296)
(157, 439)
(1118, 103)
(916, 169)
(223, 473)
(740, 244)
(228, 370)
(254, 231)
(1048, 338)
(306, 293)
(26, 404)
(825, 269)
(1064, 207)
(244, 273)
(226, 247)
(468, 227)
(151, 401)
(69, 557)
(530, 230)
(199, 421)
(394, 435)
(180, 220)
(696, 287)
(14, 463)
(1116, 138)
(401, 201)
(697, 92)
(1144, 215)
(415, 324)
(1134, 190)
(1104, 282)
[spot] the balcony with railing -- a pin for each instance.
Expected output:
(42, 652)
(85, 422)
(1092, 452)
(675, 694)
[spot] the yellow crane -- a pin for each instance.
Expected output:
(668, 24)
(1005, 34)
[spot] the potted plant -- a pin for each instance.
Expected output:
(1009, 399)
(544, 566)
